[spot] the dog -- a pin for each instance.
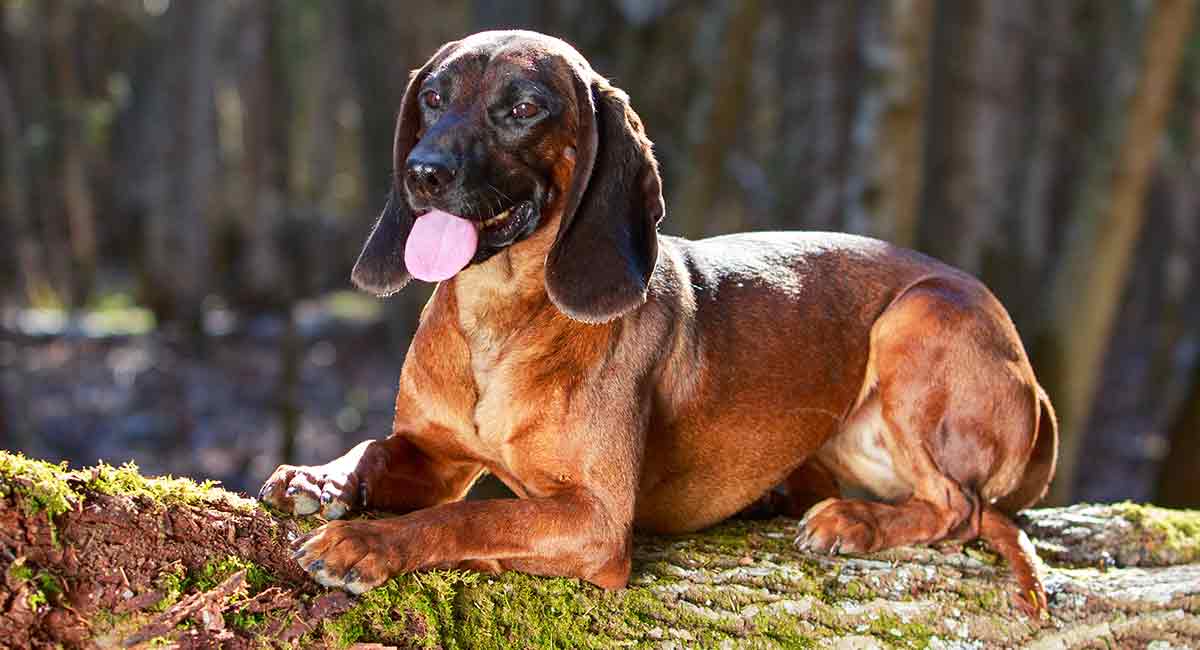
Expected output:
(618, 379)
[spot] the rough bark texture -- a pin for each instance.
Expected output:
(104, 557)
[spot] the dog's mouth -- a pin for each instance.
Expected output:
(441, 243)
(506, 227)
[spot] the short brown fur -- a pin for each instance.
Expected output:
(614, 378)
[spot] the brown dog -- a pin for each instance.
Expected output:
(616, 379)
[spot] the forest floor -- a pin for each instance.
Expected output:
(100, 386)
(104, 557)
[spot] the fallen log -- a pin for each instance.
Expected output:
(104, 557)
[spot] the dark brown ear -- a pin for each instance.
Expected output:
(599, 267)
(380, 267)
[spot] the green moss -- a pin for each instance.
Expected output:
(54, 489)
(45, 587)
(104, 622)
(20, 572)
(456, 609)
(857, 590)
(216, 571)
(175, 582)
(42, 485)
(166, 490)
(404, 608)
(783, 629)
(900, 634)
(1176, 532)
(453, 609)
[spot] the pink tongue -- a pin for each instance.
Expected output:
(439, 246)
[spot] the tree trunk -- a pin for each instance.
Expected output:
(1179, 354)
(817, 64)
(980, 55)
(74, 185)
(265, 281)
(14, 202)
(28, 43)
(1086, 294)
(709, 157)
(1043, 160)
(889, 140)
(128, 559)
(175, 164)
(1177, 480)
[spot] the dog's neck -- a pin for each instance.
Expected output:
(494, 296)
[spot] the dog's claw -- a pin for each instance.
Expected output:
(836, 547)
(803, 540)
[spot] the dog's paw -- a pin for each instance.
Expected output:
(836, 526)
(350, 555)
(331, 490)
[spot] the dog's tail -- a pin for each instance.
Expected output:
(1040, 469)
(1003, 536)
(997, 528)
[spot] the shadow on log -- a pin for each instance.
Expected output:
(105, 557)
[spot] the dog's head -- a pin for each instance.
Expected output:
(503, 133)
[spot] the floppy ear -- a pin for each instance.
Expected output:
(607, 244)
(380, 267)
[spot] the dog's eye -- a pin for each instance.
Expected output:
(431, 99)
(526, 110)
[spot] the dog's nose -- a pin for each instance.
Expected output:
(429, 174)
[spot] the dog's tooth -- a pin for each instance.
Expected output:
(498, 218)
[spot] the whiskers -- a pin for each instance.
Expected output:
(501, 199)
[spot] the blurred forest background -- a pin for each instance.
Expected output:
(184, 187)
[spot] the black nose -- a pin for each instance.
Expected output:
(429, 175)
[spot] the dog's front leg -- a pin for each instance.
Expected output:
(570, 533)
(390, 474)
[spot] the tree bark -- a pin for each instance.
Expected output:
(28, 43)
(817, 67)
(1177, 478)
(265, 279)
(77, 201)
(701, 189)
(14, 202)
(1087, 294)
(127, 559)
(972, 145)
(889, 139)
(175, 162)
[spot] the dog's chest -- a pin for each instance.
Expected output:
(497, 367)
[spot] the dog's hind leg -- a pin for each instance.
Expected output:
(947, 426)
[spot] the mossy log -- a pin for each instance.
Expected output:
(105, 557)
